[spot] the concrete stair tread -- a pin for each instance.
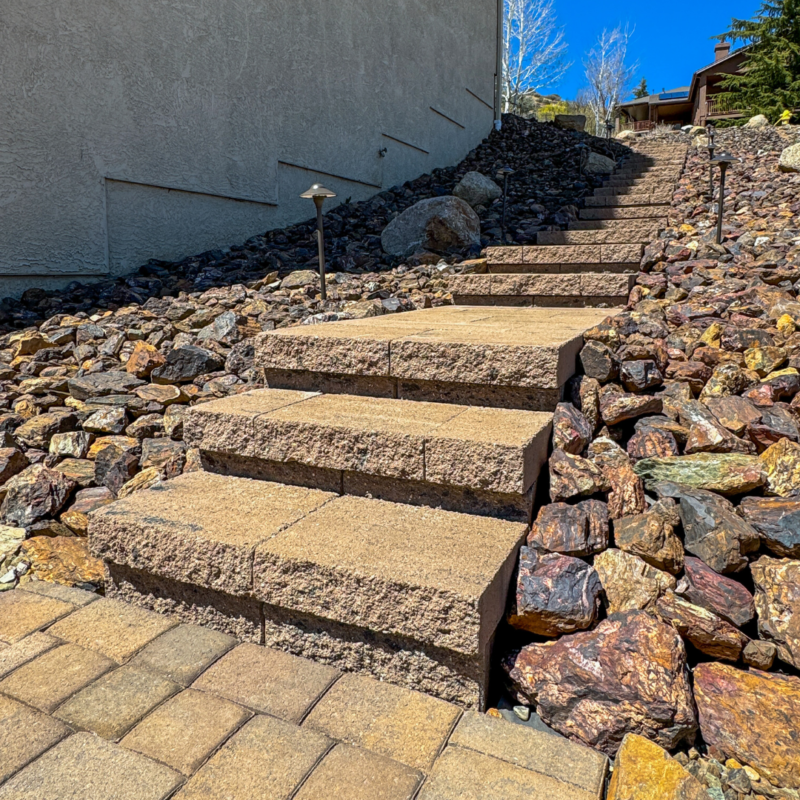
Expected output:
(624, 212)
(568, 255)
(496, 453)
(459, 345)
(420, 577)
(635, 233)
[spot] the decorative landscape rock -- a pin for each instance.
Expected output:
(782, 466)
(645, 771)
(477, 190)
(598, 165)
(436, 224)
(555, 594)
(752, 717)
(723, 596)
(790, 159)
(652, 537)
(629, 583)
(777, 521)
(35, 493)
(712, 529)
(574, 530)
(184, 364)
(777, 598)
(573, 476)
(709, 633)
(724, 473)
(571, 430)
(628, 675)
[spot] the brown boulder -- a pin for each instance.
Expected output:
(777, 583)
(630, 583)
(752, 717)
(144, 359)
(628, 675)
(645, 771)
(555, 594)
(571, 430)
(723, 596)
(781, 463)
(616, 408)
(651, 536)
(578, 530)
(626, 495)
(709, 633)
(35, 493)
(573, 476)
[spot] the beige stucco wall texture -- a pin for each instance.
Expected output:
(138, 129)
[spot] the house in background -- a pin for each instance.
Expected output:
(695, 104)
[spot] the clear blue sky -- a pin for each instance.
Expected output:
(672, 37)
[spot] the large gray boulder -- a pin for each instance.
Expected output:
(477, 190)
(599, 165)
(790, 159)
(571, 122)
(436, 224)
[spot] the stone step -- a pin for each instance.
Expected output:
(659, 223)
(624, 212)
(584, 290)
(645, 190)
(509, 358)
(638, 184)
(477, 460)
(660, 198)
(565, 258)
(411, 595)
(670, 173)
(633, 234)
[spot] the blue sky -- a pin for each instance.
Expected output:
(672, 37)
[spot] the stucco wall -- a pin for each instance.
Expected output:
(137, 129)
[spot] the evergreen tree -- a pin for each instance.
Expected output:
(769, 82)
(641, 90)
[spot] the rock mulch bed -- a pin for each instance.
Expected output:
(660, 588)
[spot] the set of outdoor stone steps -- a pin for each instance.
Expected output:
(374, 527)
(595, 262)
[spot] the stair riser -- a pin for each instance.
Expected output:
(561, 269)
(498, 257)
(659, 223)
(570, 285)
(636, 236)
(401, 661)
(615, 201)
(529, 301)
(631, 212)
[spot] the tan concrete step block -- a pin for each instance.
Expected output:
(626, 212)
(434, 576)
(616, 224)
(401, 724)
(573, 286)
(553, 756)
(635, 233)
(625, 200)
(449, 345)
(492, 450)
(199, 528)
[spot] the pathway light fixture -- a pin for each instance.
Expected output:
(723, 161)
(710, 135)
(503, 173)
(318, 193)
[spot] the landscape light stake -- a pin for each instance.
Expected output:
(723, 160)
(503, 173)
(710, 131)
(318, 194)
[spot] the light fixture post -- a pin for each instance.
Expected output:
(319, 194)
(723, 161)
(503, 173)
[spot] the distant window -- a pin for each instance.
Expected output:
(673, 95)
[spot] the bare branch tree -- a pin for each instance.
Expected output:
(534, 51)
(608, 75)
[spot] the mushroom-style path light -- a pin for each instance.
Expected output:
(318, 193)
(503, 173)
(710, 133)
(723, 161)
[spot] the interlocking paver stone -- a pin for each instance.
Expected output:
(24, 735)
(69, 594)
(266, 760)
(186, 729)
(15, 655)
(404, 725)
(534, 750)
(53, 677)
(113, 704)
(22, 613)
(356, 774)
(84, 767)
(115, 629)
(267, 680)
(184, 652)
(468, 775)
